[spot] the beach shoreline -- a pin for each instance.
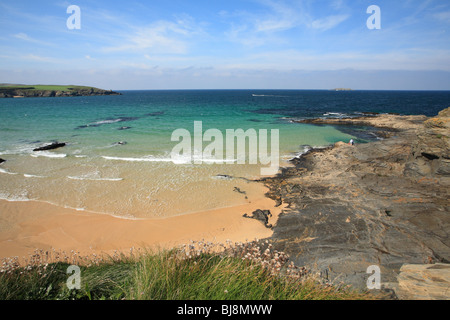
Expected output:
(32, 225)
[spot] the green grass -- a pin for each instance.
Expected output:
(43, 87)
(167, 275)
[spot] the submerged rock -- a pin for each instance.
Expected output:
(51, 146)
(223, 176)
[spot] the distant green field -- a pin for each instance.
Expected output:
(44, 87)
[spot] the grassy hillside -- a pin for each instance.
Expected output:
(42, 87)
(195, 272)
(20, 90)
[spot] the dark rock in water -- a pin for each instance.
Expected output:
(254, 120)
(239, 190)
(2, 160)
(52, 146)
(124, 119)
(224, 176)
(82, 127)
(154, 114)
(261, 215)
(124, 128)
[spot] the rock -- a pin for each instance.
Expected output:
(224, 177)
(261, 215)
(340, 144)
(236, 189)
(424, 282)
(444, 113)
(9, 92)
(381, 203)
(2, 160)
(51, 146)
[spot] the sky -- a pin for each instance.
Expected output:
(212, 44)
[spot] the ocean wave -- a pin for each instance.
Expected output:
(107, 121)
(6, 171)
(336, 115)
(268, 95)
(93, 179)
(48, 154)
(175, 160)
(218, 161)
(141, 159)
(32, 176)
(349, 115)
(305, 150)
(20, 149)
(222, 177)
(14, 198)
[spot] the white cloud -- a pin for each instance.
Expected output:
(161, 37)
(23, 36)
(280, 16)
(328, 22)
(34, 57)
(443, 16)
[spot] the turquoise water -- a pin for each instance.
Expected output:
(137, 178)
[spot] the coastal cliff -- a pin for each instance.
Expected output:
(22, 91)
(383, 203)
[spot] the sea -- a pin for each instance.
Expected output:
(117, 158)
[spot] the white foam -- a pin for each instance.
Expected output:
(335, 114)
(142, 159)
(267, 95)
(94, 179)
(106, 121)
(14, 198)
(218, 161)
(175, 159)
(48, 154)
(305, 150)
(6, 171)
(19, 149)
(222, 177)
(32, 176)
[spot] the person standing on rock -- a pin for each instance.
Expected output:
(351, 142)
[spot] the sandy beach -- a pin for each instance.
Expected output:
(30, 225)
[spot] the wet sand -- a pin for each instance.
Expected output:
(29, 225)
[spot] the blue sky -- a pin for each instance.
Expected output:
(211, 44)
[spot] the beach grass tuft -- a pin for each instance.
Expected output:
(197, 271)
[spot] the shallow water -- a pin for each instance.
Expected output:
(117, 158)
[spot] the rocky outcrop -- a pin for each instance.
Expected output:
(383, 203)
(72, 92)
(261, 215)
(54, 145)
(424, 282)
